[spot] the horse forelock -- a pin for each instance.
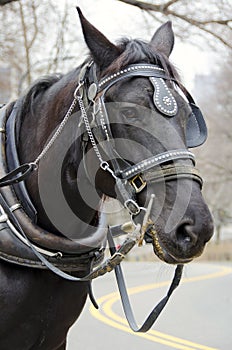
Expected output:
(138, 51)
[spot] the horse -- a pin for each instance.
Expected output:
(120, 125)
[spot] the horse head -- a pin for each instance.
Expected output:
(142, 123)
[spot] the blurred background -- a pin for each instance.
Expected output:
(39, 37)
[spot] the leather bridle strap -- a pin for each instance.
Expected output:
(17, 175)
(156, 160)
(175, 172)
(152, 317)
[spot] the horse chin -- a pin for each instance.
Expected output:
(161, 252)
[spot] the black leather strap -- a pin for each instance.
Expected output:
(150, 320)
(12, 126)
(17, 175)
(144, 70)
(196, 129)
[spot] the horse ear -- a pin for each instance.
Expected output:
(102, 50)
(163, 39)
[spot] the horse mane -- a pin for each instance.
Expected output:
(38, 88)
(138, 51)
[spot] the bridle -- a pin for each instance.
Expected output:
(130, 179)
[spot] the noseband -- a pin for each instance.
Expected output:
(131, 179)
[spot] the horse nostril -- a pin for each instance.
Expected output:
(185, 235)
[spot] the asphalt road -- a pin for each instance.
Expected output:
(198, 315)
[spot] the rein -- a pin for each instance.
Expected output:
(129, 181)
(152, 317)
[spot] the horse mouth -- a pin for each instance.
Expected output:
(160, 251)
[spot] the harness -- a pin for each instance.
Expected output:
(130, 180)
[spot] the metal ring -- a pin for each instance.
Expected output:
(15, 207)
(76, 92)
(104, 165)
(130, 203)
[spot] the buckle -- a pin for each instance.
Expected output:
(138, 183)
(132, 207)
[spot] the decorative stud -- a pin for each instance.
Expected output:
(129, 69)
(163, 98)
(157, 160)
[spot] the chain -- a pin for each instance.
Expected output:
(59, 130)
(103, 164)
(88, 128)
(77, 98)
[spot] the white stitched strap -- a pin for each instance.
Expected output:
(135, 69)
(131, 71)
(156, 160)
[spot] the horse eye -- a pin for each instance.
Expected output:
(129, 112)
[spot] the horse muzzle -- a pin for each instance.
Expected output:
(183, 244)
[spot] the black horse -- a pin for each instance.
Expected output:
(119, 126)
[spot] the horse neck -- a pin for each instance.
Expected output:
(36, 128)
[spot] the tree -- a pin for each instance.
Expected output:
(25, 31)
(20, 23)
(25, 28)
(209, 18)
(4, 2)
(214, 159)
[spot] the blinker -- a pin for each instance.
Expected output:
(196, 129)
(163, 98)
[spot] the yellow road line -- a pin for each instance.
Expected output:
(114, 320)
